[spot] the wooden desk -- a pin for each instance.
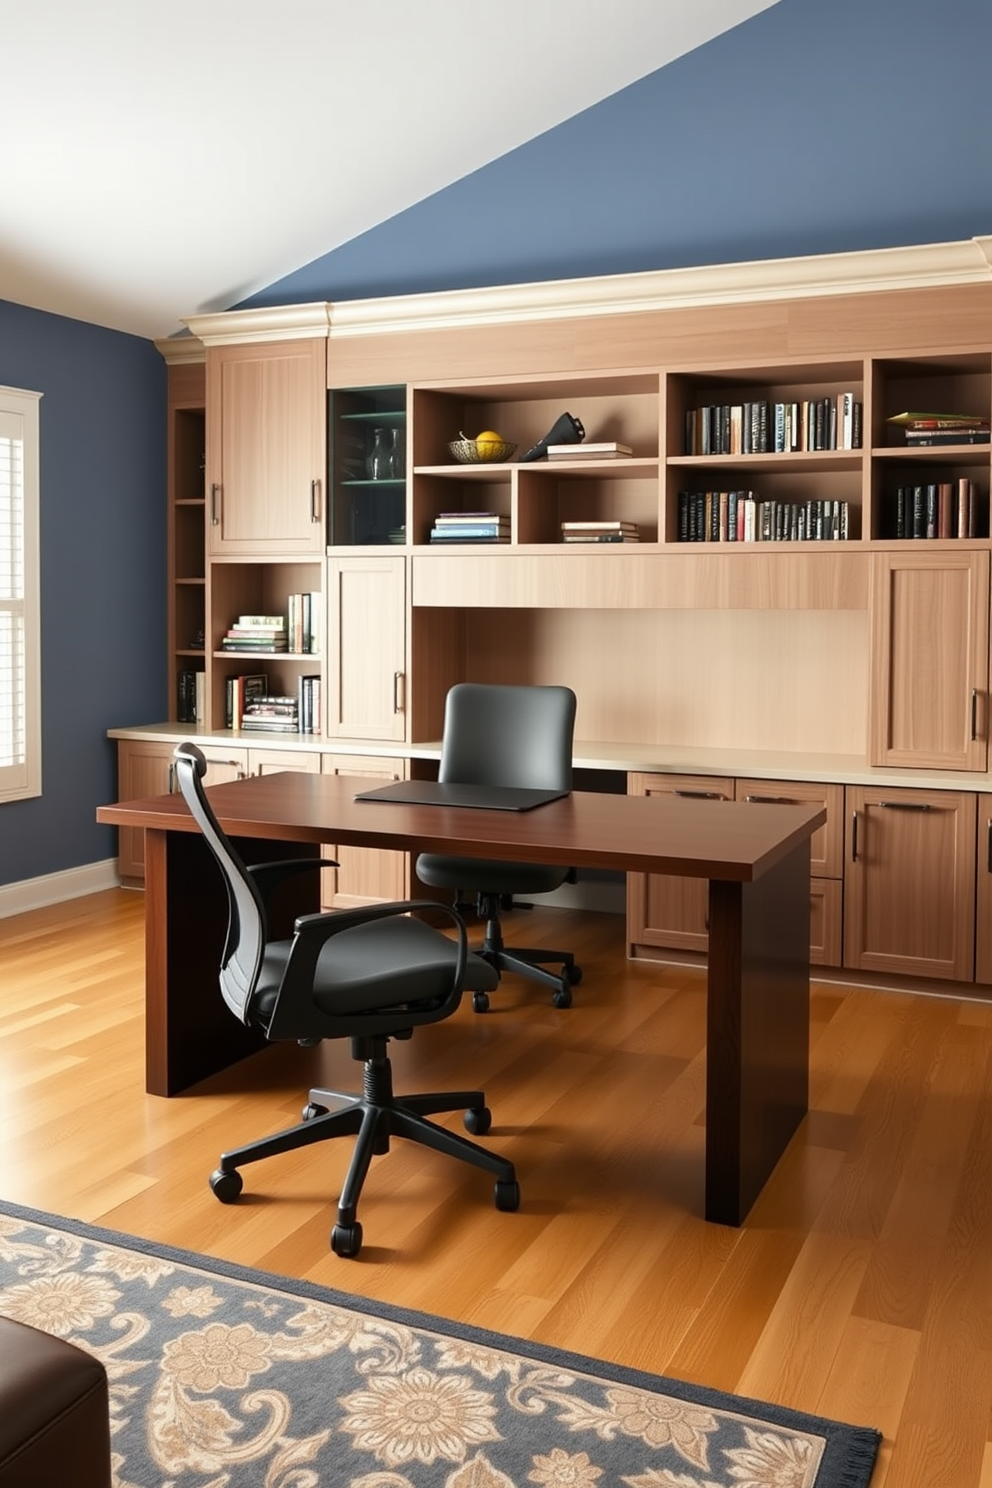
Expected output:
(756, 858)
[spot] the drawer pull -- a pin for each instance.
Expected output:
(906, 805)
(214, 505)
(701, 795)
(773, 800)
(854, 836)
(315, 501)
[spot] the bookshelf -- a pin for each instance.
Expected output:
(847, 661)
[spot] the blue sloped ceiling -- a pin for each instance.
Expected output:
(810, 128)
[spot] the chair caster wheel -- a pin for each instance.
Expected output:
(563, 997)
(480, 1002)
(346, 1240)
(478, 1122)
(226, 1185)
(507, 1196)
(311, 1111)
(574, 974)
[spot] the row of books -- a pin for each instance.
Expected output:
(471, 527)
(739, 516)
(762, 427)
(191, 697)
(937, 509)
(252, 707)
(921, 430)
(601, 449)
(600, 532)
(296, 631)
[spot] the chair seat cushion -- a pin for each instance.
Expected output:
(487, 876)
(385, 964)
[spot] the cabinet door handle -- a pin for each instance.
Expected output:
(974, 713)
(399, 692)
(315, 501)
(905, 805)
(988, 846)
(700, 795)
(172, 781)
(214, 505)
(773, 800)
(854, 836)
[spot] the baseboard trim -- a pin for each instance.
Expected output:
(55, 888)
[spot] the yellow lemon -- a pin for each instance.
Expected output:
(488, 443)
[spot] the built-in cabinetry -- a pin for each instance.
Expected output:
(795, 666)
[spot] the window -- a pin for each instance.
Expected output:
(20, 629)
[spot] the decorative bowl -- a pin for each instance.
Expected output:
(466, 452)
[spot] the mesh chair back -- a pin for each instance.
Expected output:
(246, 926)
(517, 736)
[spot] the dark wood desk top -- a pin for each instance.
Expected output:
(731, 840)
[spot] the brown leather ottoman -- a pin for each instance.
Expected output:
(54, 1412)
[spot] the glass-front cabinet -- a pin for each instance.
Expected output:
(367, 456)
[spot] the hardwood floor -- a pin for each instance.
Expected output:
(860, 1286)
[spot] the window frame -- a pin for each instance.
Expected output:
(22, 777)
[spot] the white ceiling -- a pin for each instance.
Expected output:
(165, 157)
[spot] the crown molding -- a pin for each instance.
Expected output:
(271, 323)
(922, 266)
(916, 266)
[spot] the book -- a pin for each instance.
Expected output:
(262, 622)
(938, 420)
(932, 437)
(600, 537)
(606, 525)
(238, 691)
(605, 449)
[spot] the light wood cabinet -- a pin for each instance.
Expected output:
(983, 887)
(909, 900)
(826, 857)
(366, 648)
(930, 659)
(664, 910)
(669, 913)
(266, 448)
(364, 875)
(144, 768)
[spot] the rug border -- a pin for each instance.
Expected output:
(849, 1453)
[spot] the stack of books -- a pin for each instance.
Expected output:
(470, 527)
(271, 713)
(604, 449)
(257, 633)
(764, 427)
(600, 532)
(926, 429)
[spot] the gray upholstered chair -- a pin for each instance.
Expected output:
(516, 736)
(368, 975)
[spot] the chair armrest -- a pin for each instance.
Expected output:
(269, 876)
(293, 1015)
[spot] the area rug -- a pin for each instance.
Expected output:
(223, 1377)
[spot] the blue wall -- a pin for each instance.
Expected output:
(103, 573)
(810, 128)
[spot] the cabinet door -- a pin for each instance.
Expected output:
(663, 909)
(909, 885)
(930, 660)
(983, 896)
(144, 768)
(266, 443)
(270, 761)
(365, 875)
(224, 764)
(366, 648)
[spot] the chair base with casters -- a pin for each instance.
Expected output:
(524, 960)
(373, 1118)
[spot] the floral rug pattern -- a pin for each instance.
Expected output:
(221, 1378)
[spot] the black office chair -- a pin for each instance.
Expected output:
(519, 736)
(368, 975)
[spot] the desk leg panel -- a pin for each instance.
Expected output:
(757, 1065)
(189, 1031)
